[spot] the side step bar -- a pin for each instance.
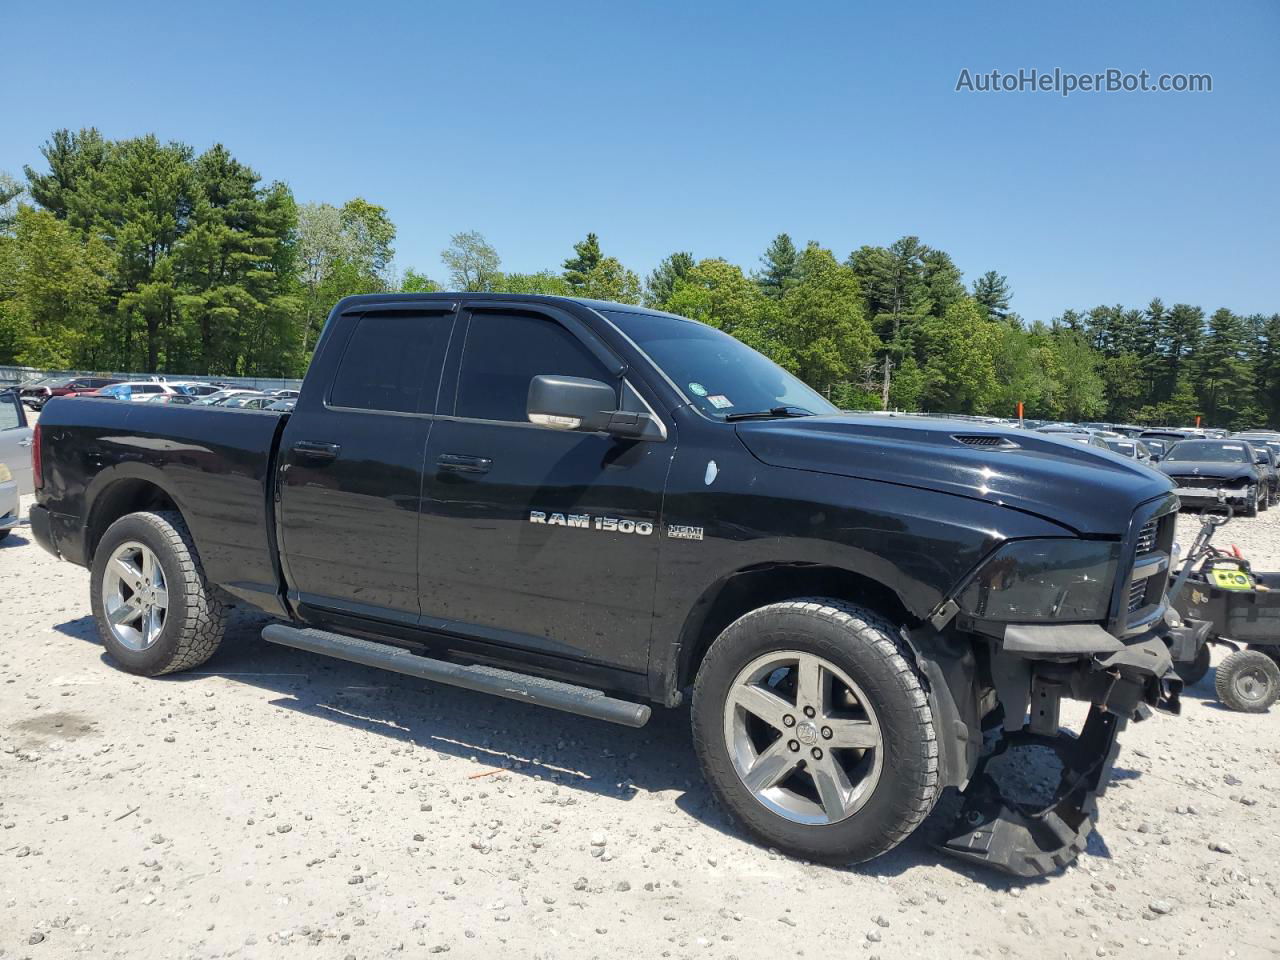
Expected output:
(501, 683)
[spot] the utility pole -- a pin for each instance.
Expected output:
(884, 390)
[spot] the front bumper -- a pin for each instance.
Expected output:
(1033, 670)
(1212, 494)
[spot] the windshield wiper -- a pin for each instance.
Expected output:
(770, 414)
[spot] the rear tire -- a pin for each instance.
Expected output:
(1248, 681)
(167, 620)
(814, 730)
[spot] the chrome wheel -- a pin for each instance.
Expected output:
(803, 737)
(135, 598)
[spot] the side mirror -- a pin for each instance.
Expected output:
(587, 406)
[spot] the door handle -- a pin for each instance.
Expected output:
(316, 450)
(25, 443)
(458, 463)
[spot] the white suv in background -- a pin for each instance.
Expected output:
(136, 391)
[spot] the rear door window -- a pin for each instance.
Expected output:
(392, 362)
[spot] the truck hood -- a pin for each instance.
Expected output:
(1212, 469)
(1090, 490)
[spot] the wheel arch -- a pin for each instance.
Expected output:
(126, 489)
(752, 587)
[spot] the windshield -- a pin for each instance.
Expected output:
(1208, 451)
(721, 376)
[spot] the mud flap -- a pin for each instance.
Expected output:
(1030, 841)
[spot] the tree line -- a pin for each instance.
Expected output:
(143, 255)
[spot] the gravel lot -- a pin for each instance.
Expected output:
(274, 801)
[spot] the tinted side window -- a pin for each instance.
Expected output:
(504, 352)
(390, 360)
(9, 415)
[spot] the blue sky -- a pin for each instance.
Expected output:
(711, 127)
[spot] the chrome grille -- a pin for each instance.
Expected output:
(1147, 537)
(1137, 595)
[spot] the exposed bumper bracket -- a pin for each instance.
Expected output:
(1027, 841)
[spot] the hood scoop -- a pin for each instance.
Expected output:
(987, 440)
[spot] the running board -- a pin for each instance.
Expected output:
(501, 683)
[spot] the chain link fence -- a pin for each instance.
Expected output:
(12, 376)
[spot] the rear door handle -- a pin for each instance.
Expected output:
(459, 463)
(316, 450)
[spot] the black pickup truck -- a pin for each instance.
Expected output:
(597, 507)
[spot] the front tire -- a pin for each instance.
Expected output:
(1251, 502)
(1248, 681)
(814, 730)
(156, 613)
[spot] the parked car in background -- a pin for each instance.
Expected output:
(1091, 438)
(1264, 438)
(193, 389)
(1124, 429)
(36, 395)
(180, 399)
(1129, 448)
(248, 402)
(285, 394)
(1265, 459)
(1157, 447)
(136, 391)
(1210, 471)
(218, 396)
(15, 439)
(284, 406)
(15, 458)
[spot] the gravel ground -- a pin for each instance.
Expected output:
(274, 801)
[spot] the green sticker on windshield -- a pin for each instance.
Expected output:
(697, 389)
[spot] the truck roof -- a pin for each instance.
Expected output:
(356, 300)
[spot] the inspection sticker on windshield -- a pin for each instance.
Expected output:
(719, 401)
(697, 389)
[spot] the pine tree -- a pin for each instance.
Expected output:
(586, 258)
(781, 264)
(991, 291)
(661, 283)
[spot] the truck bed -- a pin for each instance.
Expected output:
(214, 464)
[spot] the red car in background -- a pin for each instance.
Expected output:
(36, 395)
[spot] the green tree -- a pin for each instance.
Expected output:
(780, 267)
(586, 257)
(545, 282)
(473, 264)
(10, 191)
(415, 282)
(959, 369)
(991, 291)
(822, 326)
(895, 290)
(1224, 376)
(53, 287)
(661, 283)
(1079, 390)
(719, 294)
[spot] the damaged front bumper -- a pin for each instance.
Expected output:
(1033, 670)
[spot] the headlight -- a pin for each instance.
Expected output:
(1030, 580)
(5, 474)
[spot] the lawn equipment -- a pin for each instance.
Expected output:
(1243, 609)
